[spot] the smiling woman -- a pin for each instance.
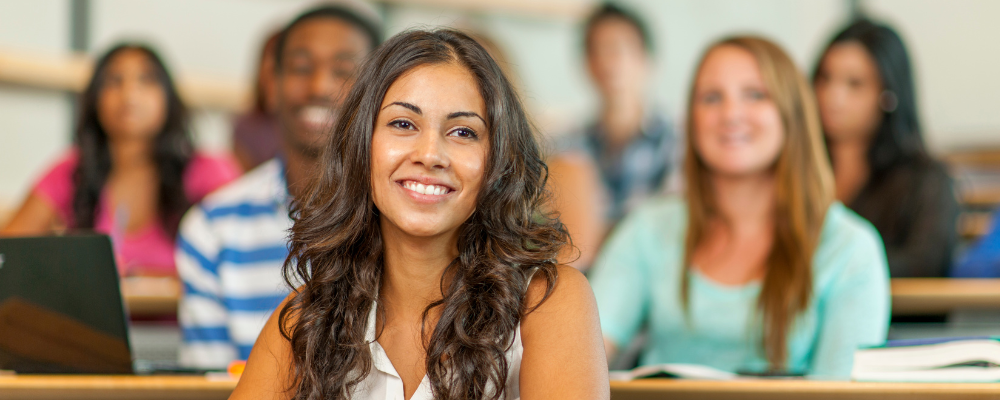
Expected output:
(428, 267)
(757, 269)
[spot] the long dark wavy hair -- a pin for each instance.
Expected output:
(337, 246)
(172, 148)
(899, 139)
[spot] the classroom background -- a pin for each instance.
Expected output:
(212, 49)
(215, 43)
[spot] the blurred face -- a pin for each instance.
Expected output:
(737, 127)
(617, 59)
(132, 104)
(318, 65)
(429, 150)
(848, 87)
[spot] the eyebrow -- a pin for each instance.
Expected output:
(418, 111)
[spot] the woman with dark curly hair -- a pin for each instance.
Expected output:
(428, 267)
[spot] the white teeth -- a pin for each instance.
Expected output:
(425, 189)
(316, 116)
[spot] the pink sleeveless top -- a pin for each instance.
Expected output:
(150, 249)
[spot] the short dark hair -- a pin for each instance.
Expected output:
(611, 10)
(370, 27)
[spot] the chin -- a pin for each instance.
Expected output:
(738, 169)
(418, 228)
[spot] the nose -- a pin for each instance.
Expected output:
(830, 96)
(732, 110)
(324, 86)
(430, 151)
(131, 91)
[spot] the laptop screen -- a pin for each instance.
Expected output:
(60, 307)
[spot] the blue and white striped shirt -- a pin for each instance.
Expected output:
(230, 251)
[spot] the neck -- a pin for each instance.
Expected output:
(621, 119)
(298, 168)
(851, 169)
(413, 269)
(130, 154)
(849, 152)
(746, 201)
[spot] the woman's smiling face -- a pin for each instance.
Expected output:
(737, 126)
(429, 150)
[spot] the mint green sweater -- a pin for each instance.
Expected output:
(636, 279)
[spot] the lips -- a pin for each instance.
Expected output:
(735, 139)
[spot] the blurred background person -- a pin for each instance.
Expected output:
(232, 246)
(757, 268)
(255, 134)
(864, 85)
(133, 170)
(628, 152)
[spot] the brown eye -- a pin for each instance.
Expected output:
(401, 124)
(464, 133)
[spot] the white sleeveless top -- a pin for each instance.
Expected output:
(383, 383)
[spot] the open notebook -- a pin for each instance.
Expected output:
(684, 371)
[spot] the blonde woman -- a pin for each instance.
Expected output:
(756, 269)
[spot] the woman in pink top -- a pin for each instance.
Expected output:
(133, 171)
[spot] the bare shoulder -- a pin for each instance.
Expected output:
(553, 367)
(570, 305)
(570, 288)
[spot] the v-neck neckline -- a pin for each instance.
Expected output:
(381, 361)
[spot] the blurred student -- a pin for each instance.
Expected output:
(427, 269)
(255, 134)
(864, 86)
(133, 170)
(232, 245)
(628, 152)
(756, 268)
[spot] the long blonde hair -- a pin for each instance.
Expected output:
(804, 192)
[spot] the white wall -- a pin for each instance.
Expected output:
(548, 56)
(953, 43)
(215, 38)
(955, 46)
(211, 37)
(34, 124)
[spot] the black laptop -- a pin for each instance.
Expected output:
(61, 308)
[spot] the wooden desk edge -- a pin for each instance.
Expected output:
(798, 386)
(103, 382)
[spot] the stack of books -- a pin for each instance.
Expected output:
(967, 359)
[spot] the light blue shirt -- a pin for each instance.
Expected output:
(637, 280)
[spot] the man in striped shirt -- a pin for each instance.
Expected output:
(231, 247)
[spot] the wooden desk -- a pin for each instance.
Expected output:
(72, 387)
(915, 296)
(650, 389)
(151, 297)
